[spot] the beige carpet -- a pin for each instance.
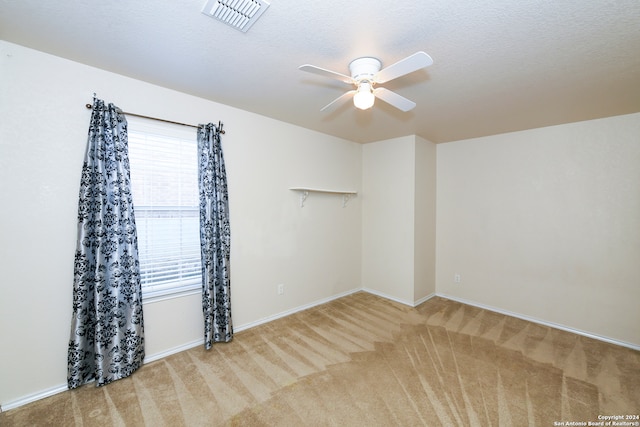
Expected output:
(365, 361)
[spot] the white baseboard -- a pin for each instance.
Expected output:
(293, 310)
(34, 396)
(542, 322)
(399, 300)
(174, 350)
(389, 297)
(424, 299)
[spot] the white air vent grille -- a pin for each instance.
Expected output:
(240, 14)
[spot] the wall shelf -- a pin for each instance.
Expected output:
(304, 193)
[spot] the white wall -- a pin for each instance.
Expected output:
(398, 218)
(314, 251)
(424, 220)
(388, 188)
(545, 223)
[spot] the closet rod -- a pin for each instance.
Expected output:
(89, 106)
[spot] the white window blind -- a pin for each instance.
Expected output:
(164, 179)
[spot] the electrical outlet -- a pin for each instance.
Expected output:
(457, 278)
(280, 289)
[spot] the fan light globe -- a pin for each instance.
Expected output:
(364, 97)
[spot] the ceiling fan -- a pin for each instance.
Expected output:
(366, 73)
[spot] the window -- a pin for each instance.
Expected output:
(164, 180)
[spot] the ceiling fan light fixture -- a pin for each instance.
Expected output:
(365, 73)
(364, 97)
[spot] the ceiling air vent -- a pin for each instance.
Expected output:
(240, 14)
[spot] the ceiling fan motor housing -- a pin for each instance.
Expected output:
(364, 68)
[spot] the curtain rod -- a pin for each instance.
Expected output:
(89, 106)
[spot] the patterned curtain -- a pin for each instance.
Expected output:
(215, 236)
(107, 335)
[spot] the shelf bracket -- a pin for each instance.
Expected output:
(345, 199)
(303, 197)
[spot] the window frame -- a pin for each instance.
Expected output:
(162, 133)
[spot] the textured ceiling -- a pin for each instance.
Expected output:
(499, 65)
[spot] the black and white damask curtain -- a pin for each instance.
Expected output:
(107, 334)
(215, 236)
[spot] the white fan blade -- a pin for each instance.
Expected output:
(339, 100)
(392, 98)
(404, 66)
(326, 73)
